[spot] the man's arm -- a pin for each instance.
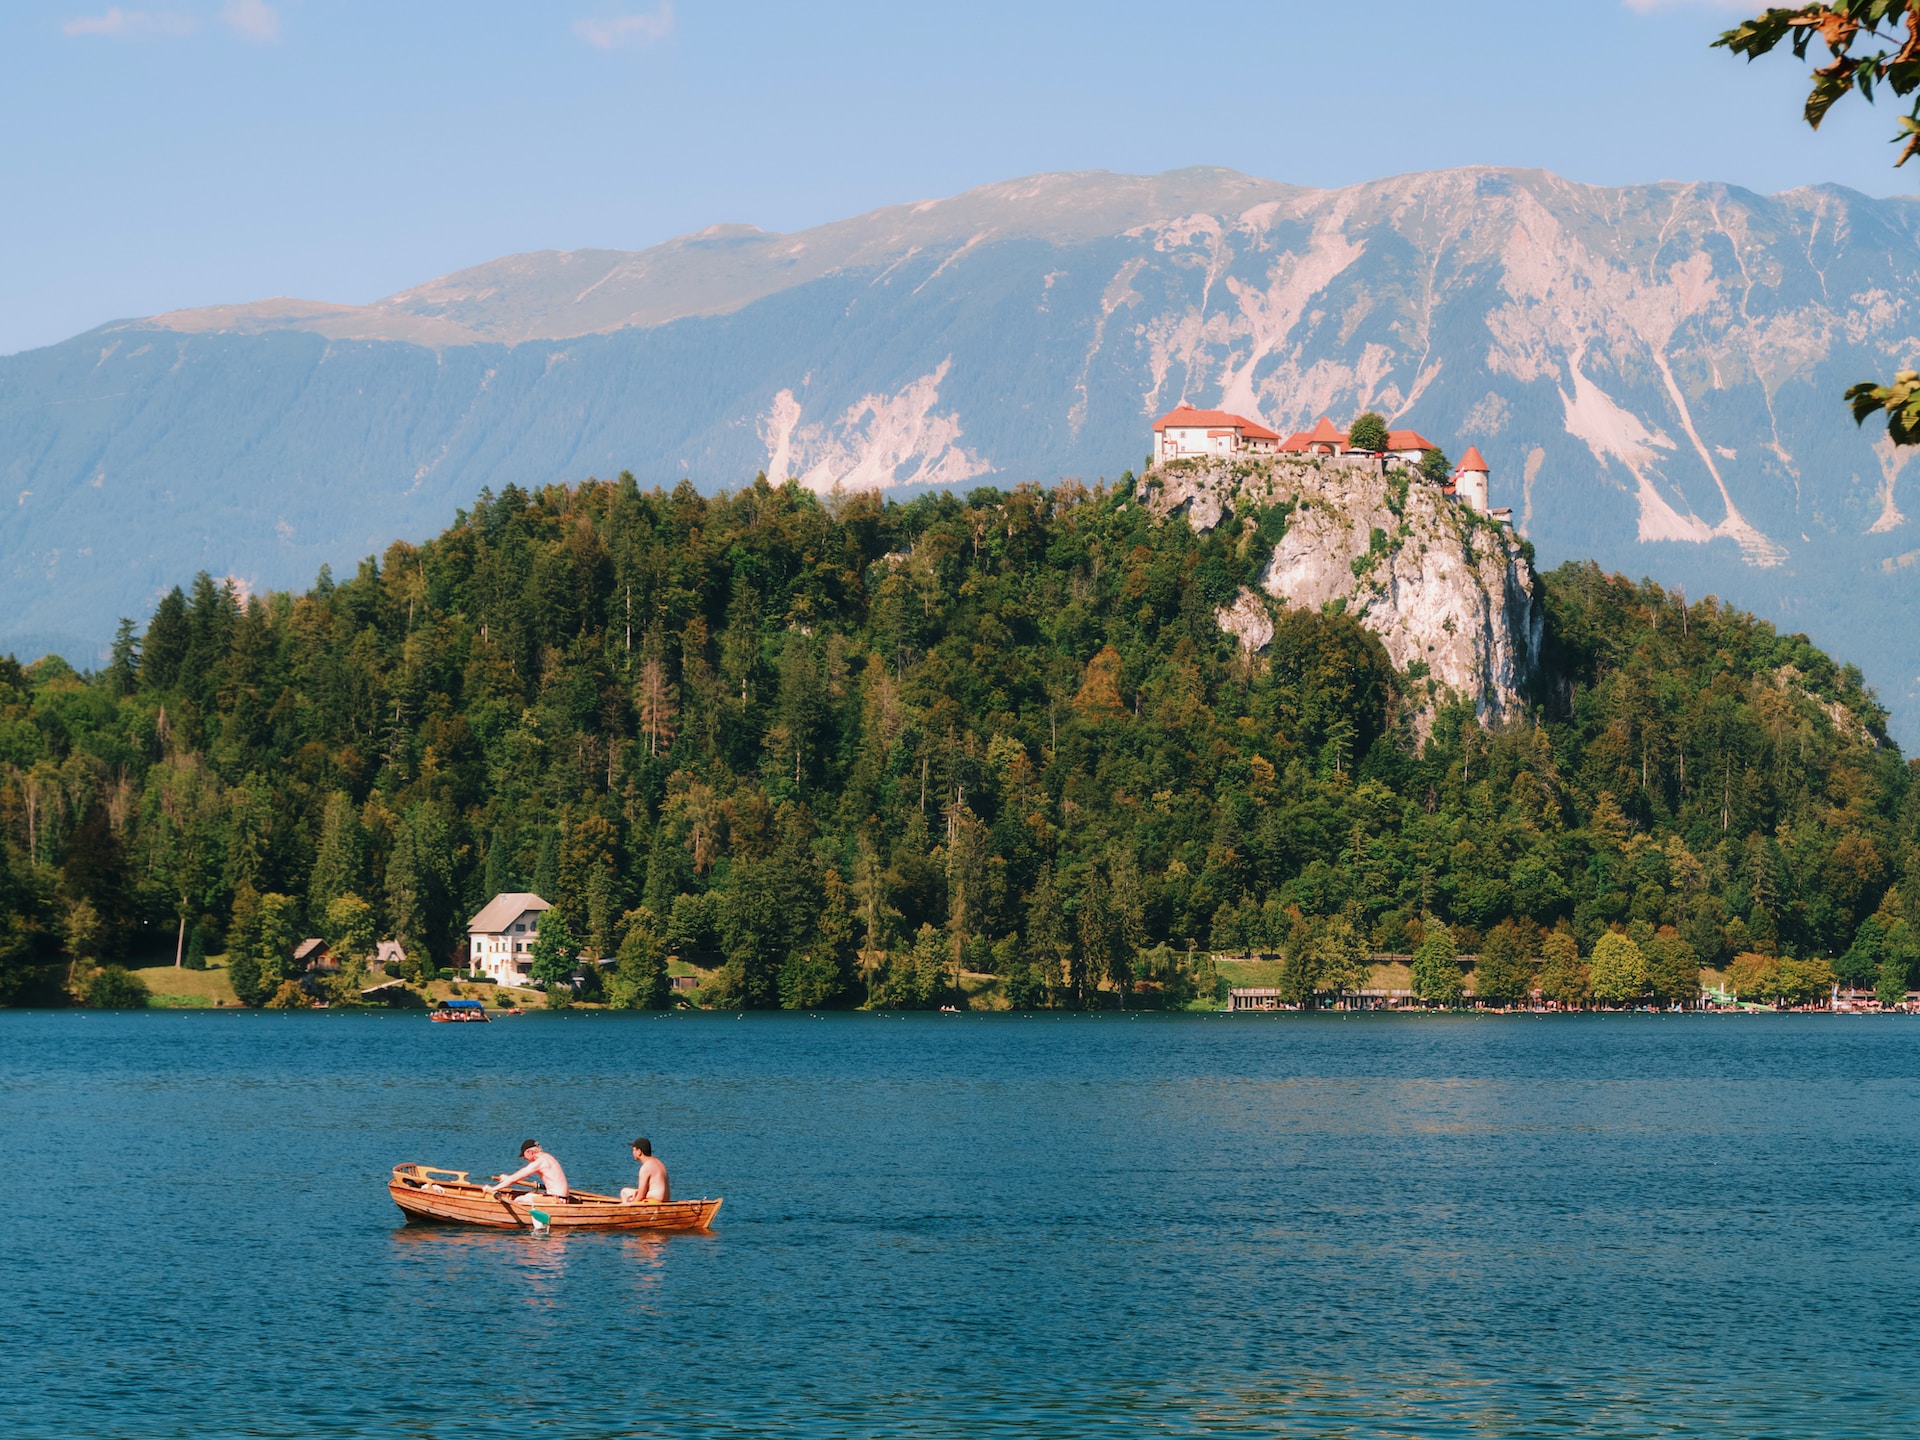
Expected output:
(520, 1174)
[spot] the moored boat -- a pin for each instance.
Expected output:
(429, 1195)
(457, 1010)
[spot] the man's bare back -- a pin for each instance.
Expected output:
(651, 1188)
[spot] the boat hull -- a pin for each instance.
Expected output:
(430, 1196)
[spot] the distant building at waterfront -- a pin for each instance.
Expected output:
(500, 938)
(314, 957)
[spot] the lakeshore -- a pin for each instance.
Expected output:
(1244, 984)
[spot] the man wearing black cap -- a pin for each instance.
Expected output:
(651, 1188)
(552, 1178)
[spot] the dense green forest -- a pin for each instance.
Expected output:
(839, 750)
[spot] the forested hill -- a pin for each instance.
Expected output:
(842, 746)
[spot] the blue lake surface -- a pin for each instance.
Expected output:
(970, 1225)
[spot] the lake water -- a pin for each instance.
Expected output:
(946, 1226)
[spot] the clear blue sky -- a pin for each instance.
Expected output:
(166, 153)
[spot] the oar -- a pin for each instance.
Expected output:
(541, 1221)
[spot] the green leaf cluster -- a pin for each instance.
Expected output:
(1842, 26)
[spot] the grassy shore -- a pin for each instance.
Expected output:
(188, 989)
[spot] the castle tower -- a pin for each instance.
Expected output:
(1470, 481)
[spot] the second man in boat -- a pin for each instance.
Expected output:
(651, 1187)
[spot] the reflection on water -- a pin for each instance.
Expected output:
(1031, 1226)
(533, 1263)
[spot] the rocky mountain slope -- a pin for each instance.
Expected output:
(1653, 372)
(1450, 593)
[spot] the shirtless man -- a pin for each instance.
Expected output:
(552, 1178)
(651, 1188)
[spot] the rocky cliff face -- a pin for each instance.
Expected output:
(1449, 592)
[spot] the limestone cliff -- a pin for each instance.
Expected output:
(1449, 592)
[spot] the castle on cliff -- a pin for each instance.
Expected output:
(1185, 433)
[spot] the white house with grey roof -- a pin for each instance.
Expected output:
(500, 938)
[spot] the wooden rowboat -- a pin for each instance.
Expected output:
(432, 1196)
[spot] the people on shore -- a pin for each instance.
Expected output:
(540, 1166)
(651, 1188)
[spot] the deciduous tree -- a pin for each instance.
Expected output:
(1368, 432)
(1436, 967)
(1618, 970)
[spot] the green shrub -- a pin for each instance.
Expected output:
(114, 987)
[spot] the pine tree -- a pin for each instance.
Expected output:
(165, 645)
(340, 864)
(1047, 945)
(123, 669)
(420, 889)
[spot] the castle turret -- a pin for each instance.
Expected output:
(1470, 481)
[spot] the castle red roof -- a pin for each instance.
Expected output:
(1322, 433)
(1473, 461)
(1188, 418)
(1408, 440)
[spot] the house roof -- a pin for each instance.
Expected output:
(1473, 461)
(1408, 440)
(1322, 433)
(1187, 418)
(503, 910)
(389, 950)
(306, 948)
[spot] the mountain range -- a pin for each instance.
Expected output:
(1653, 373)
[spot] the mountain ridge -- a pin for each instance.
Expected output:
(418, 313)
(1653, 372)
(411, 314)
